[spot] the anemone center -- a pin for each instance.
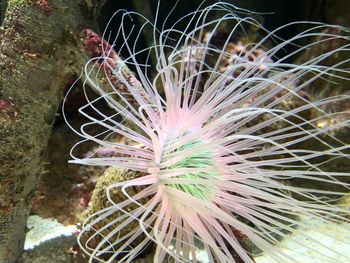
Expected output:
(202, 161)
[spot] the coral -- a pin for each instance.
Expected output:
(8, 112)
(99, 201)
(44, 5)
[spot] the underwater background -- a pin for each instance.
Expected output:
(44, 47)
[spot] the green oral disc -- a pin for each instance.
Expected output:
(202, 160)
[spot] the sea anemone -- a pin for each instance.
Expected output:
(228, 146)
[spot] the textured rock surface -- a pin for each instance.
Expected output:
(35, 62)
(53, 251)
